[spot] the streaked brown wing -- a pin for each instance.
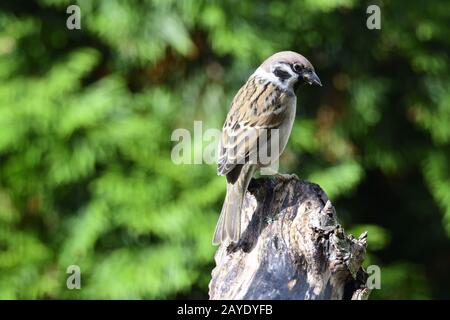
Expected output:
(257, 107)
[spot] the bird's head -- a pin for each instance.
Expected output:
(289, 69)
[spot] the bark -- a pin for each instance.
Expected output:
(291, 247)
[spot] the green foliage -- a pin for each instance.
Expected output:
(86, 118)
(410, 278)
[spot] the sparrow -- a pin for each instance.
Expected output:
(260, 119)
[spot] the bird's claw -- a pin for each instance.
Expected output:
(287, 176)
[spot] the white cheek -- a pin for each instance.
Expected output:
(269, 76)
(292, 80)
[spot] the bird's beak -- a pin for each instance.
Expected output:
(312, 78)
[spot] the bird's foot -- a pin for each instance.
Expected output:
(281, 176)
(286, 176)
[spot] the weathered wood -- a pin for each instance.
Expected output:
(291, 248)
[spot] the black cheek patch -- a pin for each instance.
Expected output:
(281, 74)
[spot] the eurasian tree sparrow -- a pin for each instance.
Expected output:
(261, 117)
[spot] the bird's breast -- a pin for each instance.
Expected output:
(286, 126)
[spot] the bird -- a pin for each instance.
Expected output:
(260, 117)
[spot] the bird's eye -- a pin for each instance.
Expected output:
(298, 68)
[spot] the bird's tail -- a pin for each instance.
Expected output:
(229, 224)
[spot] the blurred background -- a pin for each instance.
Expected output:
(86, 118)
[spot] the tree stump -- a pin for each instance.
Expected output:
(291, 247)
